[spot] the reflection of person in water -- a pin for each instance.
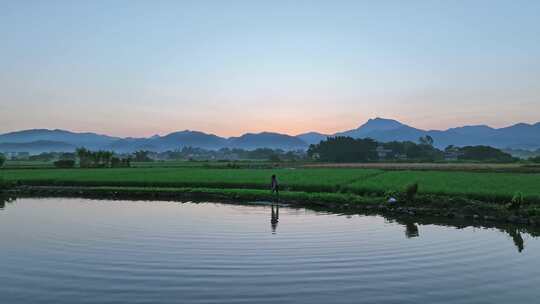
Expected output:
(411, 230)
(275, 218)
(516, 237)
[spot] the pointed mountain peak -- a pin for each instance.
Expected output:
(376, 125)
(379, 123)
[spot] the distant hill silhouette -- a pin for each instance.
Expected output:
(36, 147)
(89, 140)
(251, 141)
(312, 137)
(170, 141)
(518, 136)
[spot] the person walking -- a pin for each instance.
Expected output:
(274, 185)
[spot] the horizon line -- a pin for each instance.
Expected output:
(267, 131)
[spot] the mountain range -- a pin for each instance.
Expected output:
(518, 136)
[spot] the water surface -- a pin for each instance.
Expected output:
(90, 251)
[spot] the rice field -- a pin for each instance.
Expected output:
(27, 164)
(315, 180)
(485, 185)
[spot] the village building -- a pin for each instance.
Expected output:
(383, 152)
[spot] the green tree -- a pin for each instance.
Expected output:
(344, 149)
(274, 158)
(484, 153)
(2, 160)
(84, 157)
(93, 159)
(426, 140)
(107, 157)
(535, 159)
(142, 156)
(413, 151)
(64, 163)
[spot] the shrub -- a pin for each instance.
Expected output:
(517, 201)
(535, 159)
(391, 194)
(2, 160)
(4, 185)
(116, 162)
(274, 158)
(233, 165)
(411, 191)
(64, 163)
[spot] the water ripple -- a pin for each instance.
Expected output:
(74, 250)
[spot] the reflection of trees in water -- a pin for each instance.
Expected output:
(274, 218)
(411, 230)
(5, 199)
(516, 232)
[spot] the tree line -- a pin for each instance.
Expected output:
(227, 154)
(100, 159)
(347, 149)
(333, 149)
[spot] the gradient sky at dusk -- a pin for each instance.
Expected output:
(137, 68)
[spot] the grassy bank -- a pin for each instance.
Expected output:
(488, 187)
(183, 193)
(422, 205)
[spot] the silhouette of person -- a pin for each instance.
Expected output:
(274, 185)
(275, 218)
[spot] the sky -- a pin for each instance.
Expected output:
(139, 68)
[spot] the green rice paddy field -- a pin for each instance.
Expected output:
(485, 186)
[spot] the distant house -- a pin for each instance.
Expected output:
(315, 156)
(18, 155)
(400, 156)
(231, 156)
(452, 154)
(382, 152)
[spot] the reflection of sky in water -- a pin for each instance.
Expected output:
(161, 251)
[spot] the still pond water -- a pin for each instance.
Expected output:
(90, 251)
